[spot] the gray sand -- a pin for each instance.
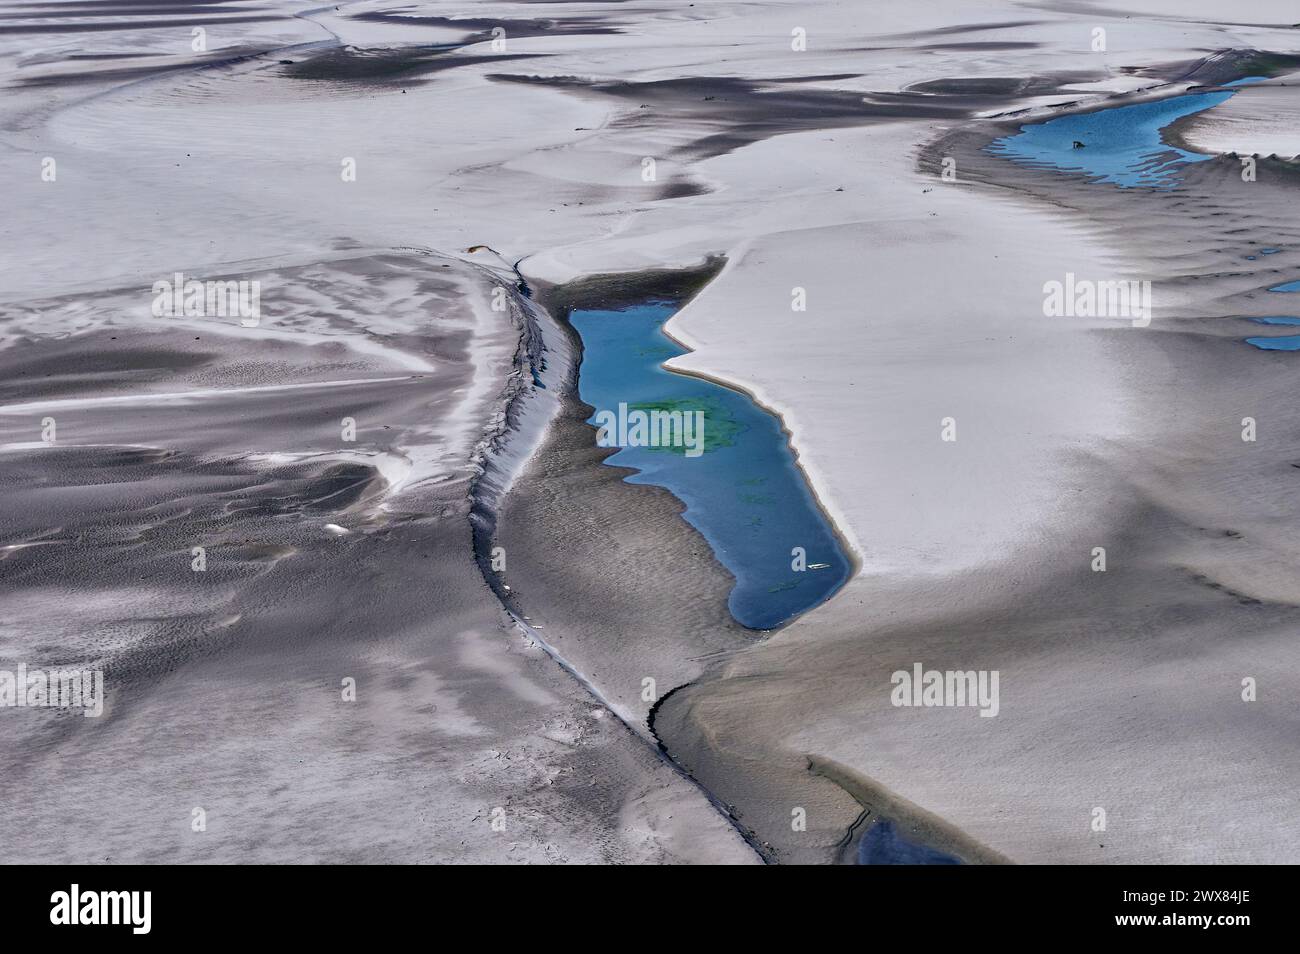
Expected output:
(225, 687)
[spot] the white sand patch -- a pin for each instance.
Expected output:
(1261, 119)
(178, 397)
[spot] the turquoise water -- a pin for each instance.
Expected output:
(744, 492)
(1287, 287)
(1278, 320)
(1121, 145)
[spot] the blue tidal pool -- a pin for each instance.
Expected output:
(733, 467)
(1120, 145)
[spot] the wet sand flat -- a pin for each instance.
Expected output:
(421, 200)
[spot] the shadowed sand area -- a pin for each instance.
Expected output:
(325, 559)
